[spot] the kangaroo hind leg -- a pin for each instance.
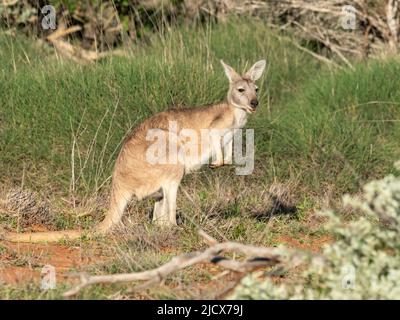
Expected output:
(160, 210)
(171, 194)
(164, 213)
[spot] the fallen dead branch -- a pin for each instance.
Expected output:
(256, 257)
(75, 53)
(62, 32)
(80, 55)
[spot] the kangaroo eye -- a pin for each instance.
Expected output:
(241, 90)
(256, 89)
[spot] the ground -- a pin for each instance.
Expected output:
(22, 265)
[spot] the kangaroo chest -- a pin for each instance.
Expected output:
(240, 118)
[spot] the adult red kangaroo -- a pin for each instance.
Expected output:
(134, 176)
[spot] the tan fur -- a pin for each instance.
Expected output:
(135, 177)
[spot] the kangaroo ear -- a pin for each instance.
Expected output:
(230, 72)
(256, 70)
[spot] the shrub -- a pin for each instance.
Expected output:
(364, 261)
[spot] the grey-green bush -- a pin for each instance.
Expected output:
(363, 262)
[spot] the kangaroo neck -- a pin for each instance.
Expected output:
(240, 115)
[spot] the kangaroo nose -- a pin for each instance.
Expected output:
(254, 103)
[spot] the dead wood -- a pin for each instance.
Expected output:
(256, 257)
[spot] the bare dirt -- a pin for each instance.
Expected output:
(22, 263)
(313, 244)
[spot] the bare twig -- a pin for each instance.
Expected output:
(63, 32)
(257, 257)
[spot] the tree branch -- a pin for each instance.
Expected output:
(257, 257)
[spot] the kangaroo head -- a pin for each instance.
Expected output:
(243, 91)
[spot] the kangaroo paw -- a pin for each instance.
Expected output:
(215, 165)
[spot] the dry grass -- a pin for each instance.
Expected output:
(26, 207)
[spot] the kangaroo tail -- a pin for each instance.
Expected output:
(51, 236)
(119, 200)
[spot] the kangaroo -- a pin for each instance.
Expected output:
(137, 176)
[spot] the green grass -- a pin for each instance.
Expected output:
(47, 104)
(310, 118)
(319, 133)
(340, 130)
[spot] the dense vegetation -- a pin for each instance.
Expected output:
(363, 263)
(311, 117)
